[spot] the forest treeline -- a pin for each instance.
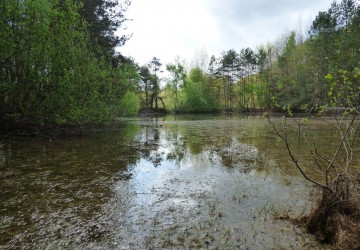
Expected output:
(58, 65)
(298, 73)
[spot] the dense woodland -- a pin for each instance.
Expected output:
(59, 66)
(58, 62)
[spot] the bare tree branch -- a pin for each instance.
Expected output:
(285, 140)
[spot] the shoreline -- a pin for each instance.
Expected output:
(28, 128)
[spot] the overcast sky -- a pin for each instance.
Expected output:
(170, 28)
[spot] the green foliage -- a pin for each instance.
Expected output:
(58, 65)
(310, 74)
(194, 96)
(345, 89)
(49, 73)
(178, 75)
(129, 104)
(196, 75)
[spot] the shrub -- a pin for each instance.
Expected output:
(129, 104)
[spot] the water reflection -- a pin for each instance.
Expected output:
(185, 182)
(199, 184)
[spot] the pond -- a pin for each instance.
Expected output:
(174, 182)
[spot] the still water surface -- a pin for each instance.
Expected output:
(211, 182)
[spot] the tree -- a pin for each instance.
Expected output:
(155, 66)
(49, 73)
(323, 41)
(345, 89)
(263, 64)
(146, 77)
(215, 78)
(230, 68)
(200, 60)
(346, 12)
(130, 104)
(42, 58)
(178, 74)
(336, 219)
(105, 17)
(194, 95)
(248, 63)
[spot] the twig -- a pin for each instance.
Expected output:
(284, 139)
(342, 142)
(263, 207)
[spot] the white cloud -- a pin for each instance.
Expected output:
(167, 28)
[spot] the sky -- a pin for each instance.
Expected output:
(170, 28)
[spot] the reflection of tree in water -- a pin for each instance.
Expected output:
(149, 142)
(177, 149)
(217, 145)
(238, 154)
